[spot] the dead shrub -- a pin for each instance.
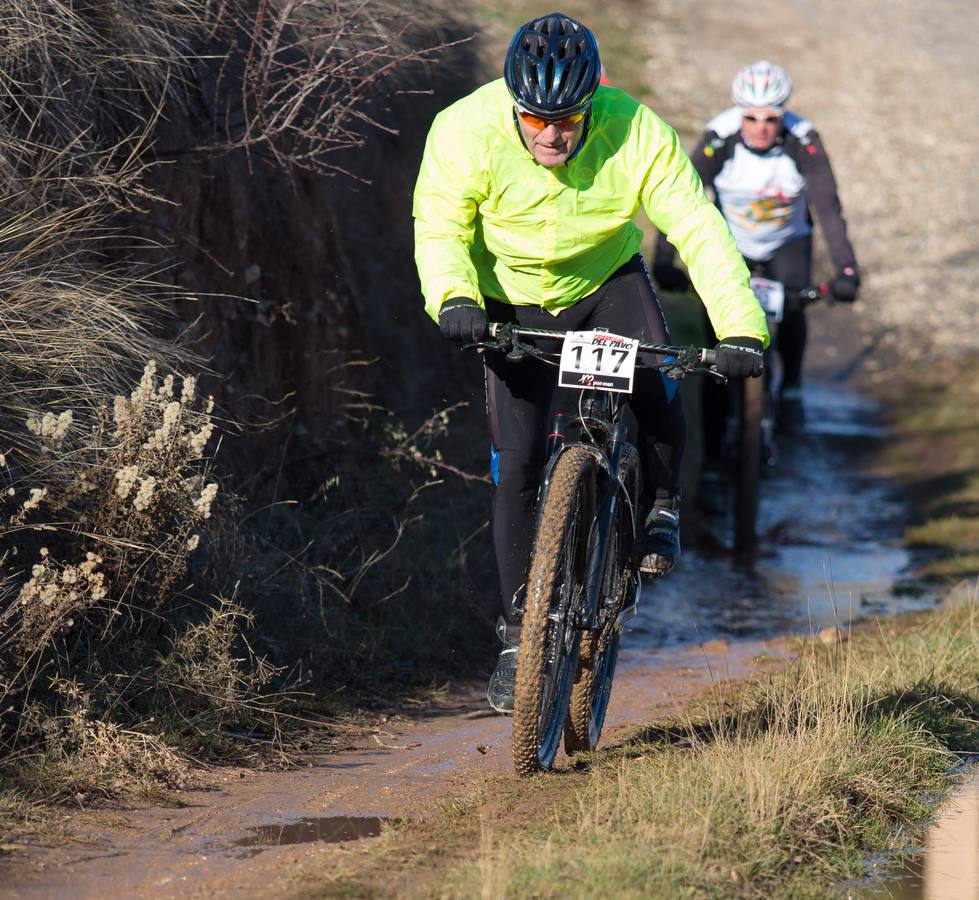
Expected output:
(84, 625)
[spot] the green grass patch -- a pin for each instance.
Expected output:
(934, 414)
(21, 819)
(781, 791)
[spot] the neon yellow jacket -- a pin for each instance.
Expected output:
(492, 222)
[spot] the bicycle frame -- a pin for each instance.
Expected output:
(599, 419)
(608, 462)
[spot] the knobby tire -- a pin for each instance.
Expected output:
(549, 640)
(600, 646)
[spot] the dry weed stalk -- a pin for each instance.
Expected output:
(417, 447)
(299, 87)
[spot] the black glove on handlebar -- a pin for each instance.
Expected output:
(740, 357)
(462, 319)
(844, 287)
(669, 277)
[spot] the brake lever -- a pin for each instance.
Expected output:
(485, 345)
(717, 376)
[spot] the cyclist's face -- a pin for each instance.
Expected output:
(761, 127)
(552, 145)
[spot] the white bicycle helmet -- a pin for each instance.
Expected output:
(762, 85)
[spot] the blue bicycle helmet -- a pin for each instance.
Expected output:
(552, 67)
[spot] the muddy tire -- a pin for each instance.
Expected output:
(548, 656)
(591, 692)
(596, 662)
(749, 464)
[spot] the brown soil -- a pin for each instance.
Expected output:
(415, 767)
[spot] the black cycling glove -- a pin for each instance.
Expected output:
(462, 319)
(669, 277)
(844, 287)
(740, 357)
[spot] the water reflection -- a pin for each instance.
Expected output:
(832, 548)
(947, 868)
(328, 830)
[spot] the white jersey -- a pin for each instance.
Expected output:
(762, 195)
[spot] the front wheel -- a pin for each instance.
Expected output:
(600, 647)
(549, 640)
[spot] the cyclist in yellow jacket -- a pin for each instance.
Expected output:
(523, 213)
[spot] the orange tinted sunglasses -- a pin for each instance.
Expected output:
(540, 124)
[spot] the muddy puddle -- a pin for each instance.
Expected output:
(307, 830)
(945, 867)
(830, 550)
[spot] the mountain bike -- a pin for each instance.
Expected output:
(749, 436)
(583, 583)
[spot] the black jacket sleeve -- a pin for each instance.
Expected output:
(824, 200)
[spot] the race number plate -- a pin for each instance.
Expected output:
(597, 359)
(771, 296)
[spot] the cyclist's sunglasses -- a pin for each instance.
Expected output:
(768, 120)
(540, 124)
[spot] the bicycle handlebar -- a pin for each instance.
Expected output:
(697, 355)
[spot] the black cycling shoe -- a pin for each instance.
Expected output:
(658, 547)
(503, 681)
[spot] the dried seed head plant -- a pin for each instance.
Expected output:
(117, 536)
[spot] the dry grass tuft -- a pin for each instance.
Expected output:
(781, 791)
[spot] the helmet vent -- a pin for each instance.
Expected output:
(552, 67)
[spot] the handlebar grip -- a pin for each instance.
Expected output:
(708, 357)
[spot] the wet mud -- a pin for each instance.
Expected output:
(945, 866)
(831, 549)
(306, 830)
(242, 835)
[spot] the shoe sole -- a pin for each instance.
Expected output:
(657, 570)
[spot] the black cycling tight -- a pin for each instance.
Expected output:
(521, 396)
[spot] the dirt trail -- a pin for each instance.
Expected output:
(891, 88)
(410, 769)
